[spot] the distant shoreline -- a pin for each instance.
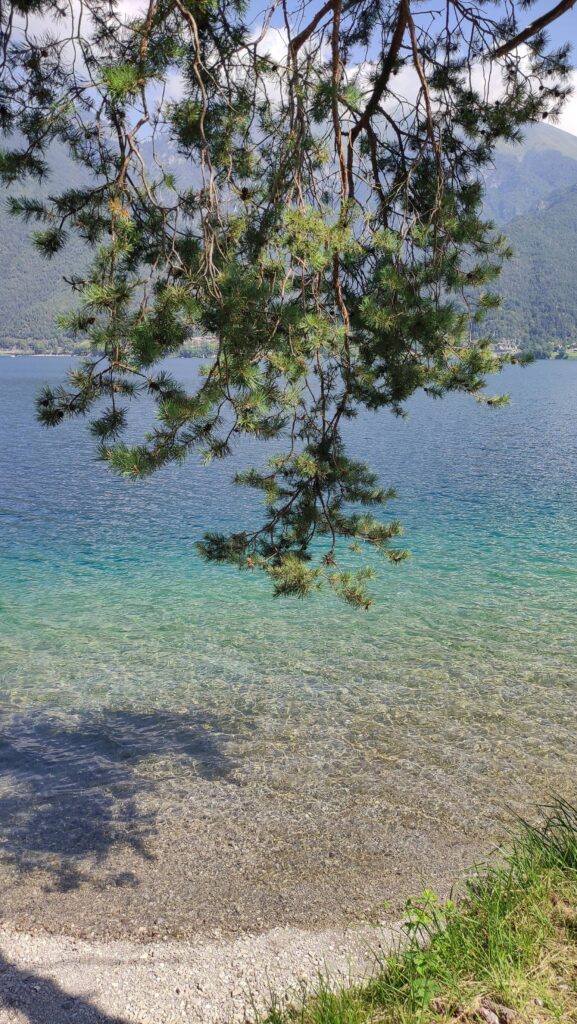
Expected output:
(190, 353)
(37, 355)
(206, 349)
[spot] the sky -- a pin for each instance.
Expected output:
(562, 31)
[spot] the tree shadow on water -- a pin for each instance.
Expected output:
(42, 1001)
(71, 786)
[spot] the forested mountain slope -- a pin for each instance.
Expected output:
(539, 284)
(32, 289)
(526, 176)
(532, 194)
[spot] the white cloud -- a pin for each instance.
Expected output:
(568, 119)
(273, 42)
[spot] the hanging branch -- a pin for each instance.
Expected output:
(326, 232)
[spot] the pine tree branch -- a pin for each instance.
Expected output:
(307, 32)
(532, 29)
(385, 72)
(378, 89)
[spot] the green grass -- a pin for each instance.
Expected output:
(507, 947)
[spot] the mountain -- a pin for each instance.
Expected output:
(531, 194)
(525, 176)
(32, 289)
(539, 284)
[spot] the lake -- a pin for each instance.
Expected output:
(180, 751)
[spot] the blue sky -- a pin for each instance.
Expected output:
(561, 31)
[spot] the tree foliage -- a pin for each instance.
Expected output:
(327, 231)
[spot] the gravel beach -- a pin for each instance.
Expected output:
(51, 979)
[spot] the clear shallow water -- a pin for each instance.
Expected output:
(152, 706)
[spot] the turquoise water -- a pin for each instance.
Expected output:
(136, 682)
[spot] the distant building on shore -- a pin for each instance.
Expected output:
(506, 347)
